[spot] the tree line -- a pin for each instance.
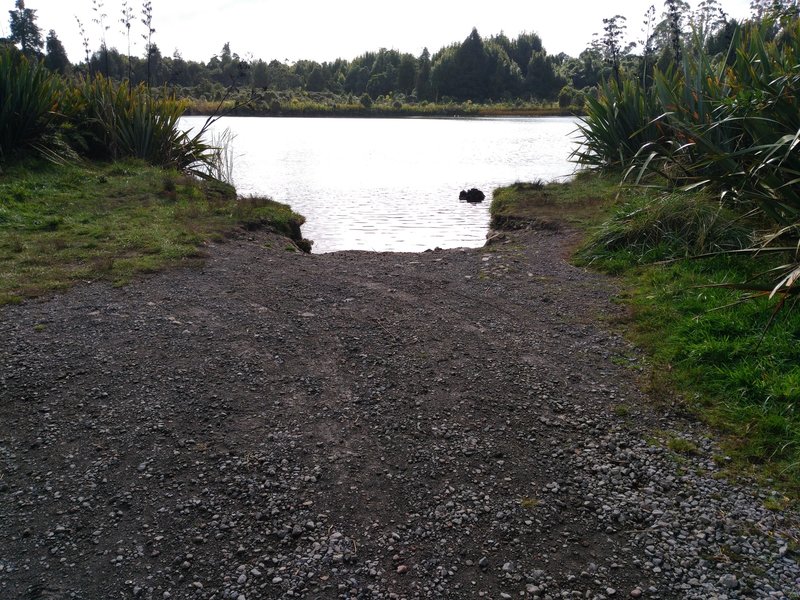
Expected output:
(478, 69)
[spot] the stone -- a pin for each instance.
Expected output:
(472, 195)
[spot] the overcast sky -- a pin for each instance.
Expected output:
(324, 30)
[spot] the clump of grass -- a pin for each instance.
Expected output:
(618, 123)
(220, 164)
(730, 126)
(529, 186)
(622, 410)
(63, 118)
(255, 212)
(678, 225)
(115, 121)
(777, 503)
(681, 445)
(170, 187)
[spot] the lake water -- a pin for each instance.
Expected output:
(392, 184)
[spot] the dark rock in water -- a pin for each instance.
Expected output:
(472, 195)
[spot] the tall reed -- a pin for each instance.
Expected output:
(221, 164)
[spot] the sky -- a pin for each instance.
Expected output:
(324, 30)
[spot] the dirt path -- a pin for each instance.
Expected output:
(452, 424)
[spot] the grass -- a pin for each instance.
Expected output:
(717, 353)
(777, 503)
(681, 445)
(622, 410)
(729, 127)
(579, 202)
(711, 355)
(60, 225)
(651, 226)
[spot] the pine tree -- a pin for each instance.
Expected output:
(24, 30)
(423, 85)
(56, 57)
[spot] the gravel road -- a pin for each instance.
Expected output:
(451, 424)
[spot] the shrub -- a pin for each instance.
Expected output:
(122, 122)
(565, 96)
(29, 94)
(618, 124)
(733, 126)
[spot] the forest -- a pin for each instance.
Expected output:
(482, 70)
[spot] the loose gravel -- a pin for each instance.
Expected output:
(450, 424)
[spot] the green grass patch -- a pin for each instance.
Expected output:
(681, 445)
(708, 346)
(717, 353)
(583, 200)
(622, 410)
(650, 226)
(63, 224)
(778, 503)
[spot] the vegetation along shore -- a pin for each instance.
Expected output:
(703, 227)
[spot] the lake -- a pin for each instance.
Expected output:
(392, 184)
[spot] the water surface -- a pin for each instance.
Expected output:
(392, 184)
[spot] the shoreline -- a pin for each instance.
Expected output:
(388, 113)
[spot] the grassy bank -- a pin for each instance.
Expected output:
(710, 353)
(109, 221)
(579, 202)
